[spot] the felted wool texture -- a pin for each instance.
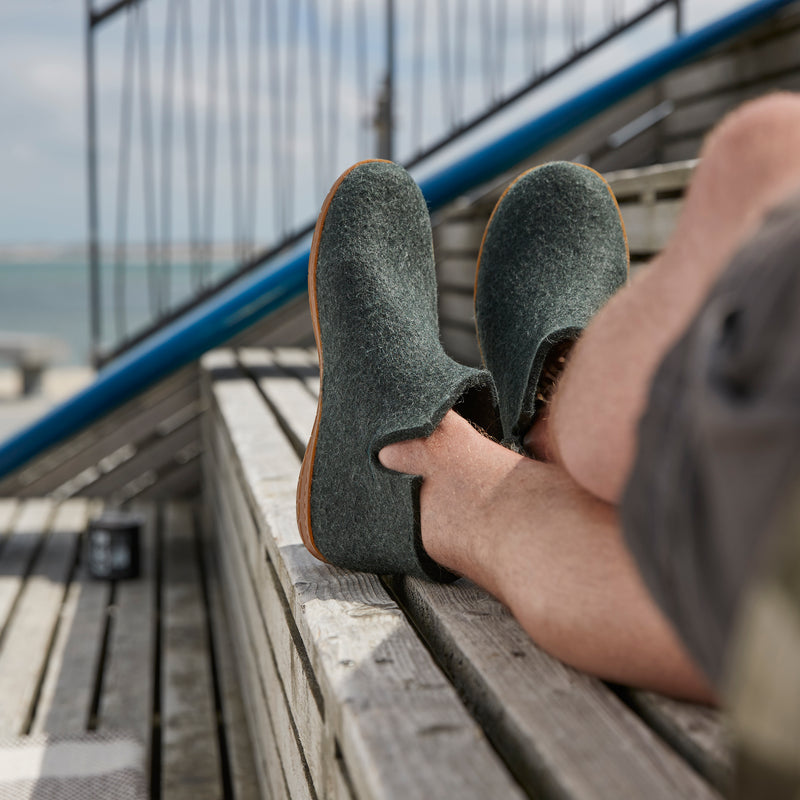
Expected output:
(553, 253)
(385, 375)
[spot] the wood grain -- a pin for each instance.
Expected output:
(559, 729)
(190, 766)
(73, 667)
(385, 700)
(30, 631)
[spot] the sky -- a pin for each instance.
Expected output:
(43, 131)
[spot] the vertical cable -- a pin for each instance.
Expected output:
(235, 130)
(543, 28)
(93, 191)
(529, 38)
(315, 98)
(290, 111)
(252, 126)
(334, 89)
(460, 61)
(487, 51)
(190, 147)
(123, 174)
(275, 115)
(444, 63)
(362, 80)
(500, 46)
(148, 165)
(166, 145)
(212, 75)
(418, 76)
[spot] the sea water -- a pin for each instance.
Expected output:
(52, 297)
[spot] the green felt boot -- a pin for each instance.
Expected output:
(553, 253)
(384, 375)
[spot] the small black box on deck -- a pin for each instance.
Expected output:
(112, 545)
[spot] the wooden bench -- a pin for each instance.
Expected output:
(147, 659)
(31, 353)
(362, 687)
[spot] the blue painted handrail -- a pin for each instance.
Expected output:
(284, 278)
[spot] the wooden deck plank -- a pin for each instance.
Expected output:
(126, 702)
(697, 732)
(73, 667)
(263, 677)
(150, 455)
(190, 766)
(387, 701)
(8, 511)
(18, 551)
(278, 641)
(181, 479)
(68, 690)
(272, 781)
(540, 731)
(63, 468)
(241, 757)
(27, 640)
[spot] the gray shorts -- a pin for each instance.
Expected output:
(719, 443)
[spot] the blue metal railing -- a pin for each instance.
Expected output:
(284, 278)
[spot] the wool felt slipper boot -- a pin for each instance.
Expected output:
(554, 251)
(384, 375)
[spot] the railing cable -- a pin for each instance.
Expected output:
(253, 105)
(170, 38)
(123, 176)
(190, 146)
(235, 129)
(212, 76)
(154, 276)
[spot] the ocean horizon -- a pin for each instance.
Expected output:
(45, 290)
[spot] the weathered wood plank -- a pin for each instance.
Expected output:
(126, 702)
(241, 758)
(649, 226)
(563, 728)
(457, 307)
(293, 758)
(151, 454)
(696, 732)
(176, 481)
(301, 362)
(743, 63)
(18, 551)
(635, 183)
(457, 273)
(559, 728)
(284, 387)
(272, 781)
(262, 726)
(190, 766)
(65, 704)
(460, 344)
(278, 640)
(385, 699)
(284, 659)
(30, 631)
(124, 428)
(68, 690)
(8, 511)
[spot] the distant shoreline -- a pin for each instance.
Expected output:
(24, 253)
